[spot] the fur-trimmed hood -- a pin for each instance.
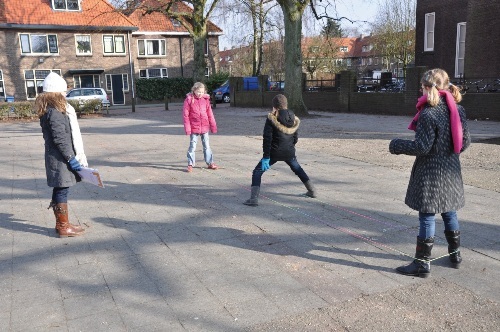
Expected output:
(291, 119)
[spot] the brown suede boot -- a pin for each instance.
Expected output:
(63, 227)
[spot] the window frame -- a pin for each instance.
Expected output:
(113, 44)
(66, 8)
(207, 48)
(344, 49)
(460, 45)
(2, 85)
(147, 76)
(37, 81)
(428, 32)
(22, 44)
(207, 72)
(76, 44)
(162, 46)
(77, 82)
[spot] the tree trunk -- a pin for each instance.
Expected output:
(199, 58)
(293, 56)
(199, 37)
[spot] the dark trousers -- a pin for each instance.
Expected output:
(294, 166)
(60, 195)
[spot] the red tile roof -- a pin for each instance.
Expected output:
(157, 21)
(39, 12)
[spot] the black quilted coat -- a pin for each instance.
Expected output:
(436, 178)
(280, 135)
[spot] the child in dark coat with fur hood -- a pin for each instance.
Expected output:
(280, 136)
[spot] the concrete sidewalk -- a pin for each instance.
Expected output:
(167, 250)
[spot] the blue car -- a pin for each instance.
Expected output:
(249, 84)
(222, 93)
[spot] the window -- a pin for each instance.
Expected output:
(2, 90)
(430, 19)
(460, 56)
(349, 62)
(34, 81)
(366, 48)
(114, 44)
(83, 45)
(153, 73)
(207, 72)
(206, 46)
(151, 47)
(344, 49)
(87, 81)
(370, 61)
(175, 22)
(66, 4)
(38, 44)
(376, 61)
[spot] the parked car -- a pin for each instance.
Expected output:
(277, 86)
(222, 93)
(84, 94)
(250, 83)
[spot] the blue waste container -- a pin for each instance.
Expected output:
(9, 99)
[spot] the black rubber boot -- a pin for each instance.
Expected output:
(311, 192)
(254, 197)
(453, 238)
(420, 267)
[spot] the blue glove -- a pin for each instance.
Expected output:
(265, 164)
(74, 164)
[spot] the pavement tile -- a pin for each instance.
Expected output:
(106, 320)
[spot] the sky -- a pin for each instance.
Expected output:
(355, 10)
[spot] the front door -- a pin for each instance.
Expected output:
(117, 88)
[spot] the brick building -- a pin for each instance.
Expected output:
(90, 44)
(459, 36)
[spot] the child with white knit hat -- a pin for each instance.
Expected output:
(64, 154)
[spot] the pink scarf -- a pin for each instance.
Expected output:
(455, 123)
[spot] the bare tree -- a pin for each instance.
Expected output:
(394, 31)
(292, 13)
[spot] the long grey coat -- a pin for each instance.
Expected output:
(436, 184)
(58, 149)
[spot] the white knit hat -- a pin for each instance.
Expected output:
(54, 83)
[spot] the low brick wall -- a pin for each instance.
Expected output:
(477, 105)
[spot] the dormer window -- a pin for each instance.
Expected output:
(366, 48)
(175, 22)
(73, 5)
(343, 49)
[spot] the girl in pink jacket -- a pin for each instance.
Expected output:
(198, 121)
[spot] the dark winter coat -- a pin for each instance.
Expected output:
(280, 135)
(58, 149)
(436, 178)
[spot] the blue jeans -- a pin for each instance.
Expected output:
(428, 223)
(60, 195)
(207, 152)
(294, 166)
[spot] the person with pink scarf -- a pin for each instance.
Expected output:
(436, 185)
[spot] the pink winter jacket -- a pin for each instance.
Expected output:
(198, 116)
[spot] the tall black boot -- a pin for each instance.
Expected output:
(453, 238)
(254, 197)
(420, 267)
(311, 191)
